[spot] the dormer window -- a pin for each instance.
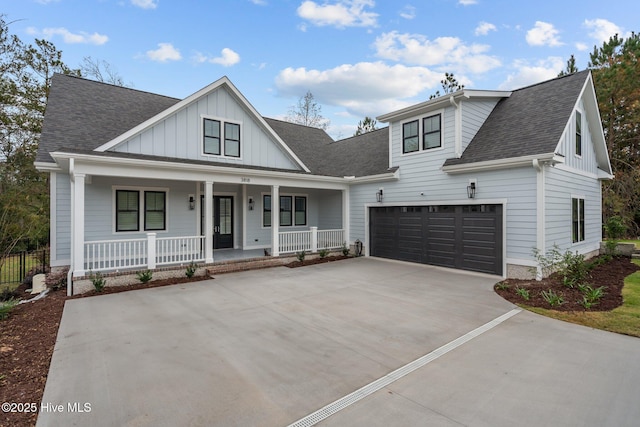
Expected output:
(422, 135)
(215, 132)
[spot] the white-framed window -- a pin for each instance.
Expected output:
(422, 134)
(139, 209)
(221, 137)
(293, 210)
(577, 219)
(578, 133)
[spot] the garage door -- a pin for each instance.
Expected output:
(467, 237)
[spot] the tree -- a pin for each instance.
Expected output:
(616, 67)
(366, 125)
(101, 71)
(25, 76)
(571, 67)
(449, 85)
(308, 112)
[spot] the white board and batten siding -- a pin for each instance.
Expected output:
(474, 114)
(180, 135)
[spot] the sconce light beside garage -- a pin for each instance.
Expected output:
(379, 195)
(192, 202)
(251, 203)
(471, 189)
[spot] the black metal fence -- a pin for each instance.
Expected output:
(15, 267)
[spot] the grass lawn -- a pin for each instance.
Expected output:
(10, 268)
(623, 320)
(636, 242)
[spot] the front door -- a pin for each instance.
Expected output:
(222, 221)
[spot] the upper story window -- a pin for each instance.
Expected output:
(220, 138)
(431, 132)
(429, 129)
(578, 133)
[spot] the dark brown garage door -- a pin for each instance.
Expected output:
(466, 237)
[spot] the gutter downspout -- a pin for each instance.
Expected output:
(540, 211)
(458, 127)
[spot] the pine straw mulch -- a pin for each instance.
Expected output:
(609, 274)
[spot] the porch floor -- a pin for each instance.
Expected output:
(223, 255)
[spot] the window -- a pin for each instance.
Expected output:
(154, 210)
(127, 210)
(232, 139)
(211, 137)
(410, 139)
(577, 216)
(293, 211)
(431, 137)
(301, 211)
(578, 133)
(266, 211)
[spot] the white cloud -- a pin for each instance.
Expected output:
(448, 52)
(543, 34)
(467, 2)
(145, 4)
(581, 46)
(69, 37)
(365, 88)
(165, 52)
(341, 14)
(600, 29)
(259, 2)
(483, 28)
(227, 58)
(408, 12)
(47, 1)
(527, 73)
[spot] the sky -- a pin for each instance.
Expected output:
(358, 58)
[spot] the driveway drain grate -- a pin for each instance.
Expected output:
(361, 393)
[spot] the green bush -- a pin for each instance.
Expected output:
(524, 293)
(6, 307)
(590, 295)
(57, 280)
(323, 253)
(345, 249)
(573, 269)
(144, 276)
(552, 298)
(300, 255)
(98, 280)
(191, 269)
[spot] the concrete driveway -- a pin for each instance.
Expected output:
(271, 347)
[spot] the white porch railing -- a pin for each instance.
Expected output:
(311, 240)
(148, 252)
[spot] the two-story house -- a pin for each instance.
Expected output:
(472, 180)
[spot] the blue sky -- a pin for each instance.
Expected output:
(358, 57)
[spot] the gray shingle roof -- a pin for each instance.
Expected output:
(529, 122)
(84, 114)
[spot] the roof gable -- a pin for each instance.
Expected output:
(529, 122)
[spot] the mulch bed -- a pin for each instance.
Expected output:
(611, 275)
(314, 261)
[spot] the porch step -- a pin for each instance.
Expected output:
(635, 254)
(248, 264)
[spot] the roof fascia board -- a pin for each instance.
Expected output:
(441, 102)
(389, 176)
(164, 165)
(502, 163)
(47, 167)
(223, 81)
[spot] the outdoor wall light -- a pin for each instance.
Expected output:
(251, 203)
(192, 202)
(379, 195)
(471, 189)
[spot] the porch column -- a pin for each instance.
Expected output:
(275, 220)
(346, 214)
(77, 223)
(208, 221)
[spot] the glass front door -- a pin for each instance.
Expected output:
(222, 221)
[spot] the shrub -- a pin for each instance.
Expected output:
(549, 261)
(323, 252)
(144, 276)
(573, 269)
(345, 249)
(300, 255)
(552, 298)
(590, 295)
(8, 294)
(191, 269)
(98, 281)
(6, 307)
(502, 286)
(523, 293)
(615, 229)
(57, 280)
